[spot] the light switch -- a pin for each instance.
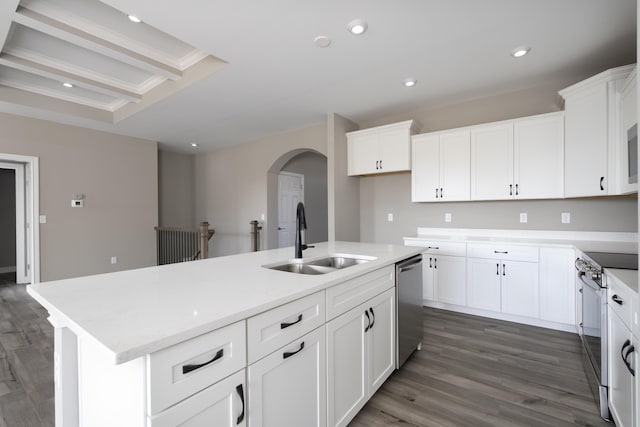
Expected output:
(447, 217)
(523, 217)
(390, 217)
(43, 219)
(114, 260)
(566, 217)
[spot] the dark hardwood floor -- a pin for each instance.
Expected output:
(476, 372)
(26, 359)
(471, 371)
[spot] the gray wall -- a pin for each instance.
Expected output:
(233, 185)
(7, 218)
(344, 191)
(176, 189)
(118, 176)
(314, 168)
(383, 194)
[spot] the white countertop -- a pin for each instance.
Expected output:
(135, 312)
(628, 277)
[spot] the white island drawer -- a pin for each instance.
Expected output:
(437, 247)
(275, 328)
(621, 299)
(503, 252)
(179, 371)
(352, 293)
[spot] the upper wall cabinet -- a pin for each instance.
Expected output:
(593, 134)
(440, 170)
(518, 159)
(628, 155)
(381, 149)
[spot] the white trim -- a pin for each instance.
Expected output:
(32, 177)
(10, 269)
(22, 275)
(603, 77)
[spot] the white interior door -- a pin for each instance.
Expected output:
(290, 192)
(22, 273)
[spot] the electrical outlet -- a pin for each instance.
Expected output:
(390, 217)
(447, 217)
(43, 219)
(261, 217)
(114, 260)
(523, 217)
(566, 217)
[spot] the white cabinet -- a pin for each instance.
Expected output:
(222, 404)
(558, 285)
(627, 152)
(288, 387)
(518, 159)
(381, 149)
(360, 356)
(443, 272)
(503, 278)
(592, 131)
(441, 166)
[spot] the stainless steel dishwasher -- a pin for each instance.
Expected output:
(408, 308)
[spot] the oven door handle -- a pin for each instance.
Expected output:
(593, 286)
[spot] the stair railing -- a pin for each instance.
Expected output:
(174, 244)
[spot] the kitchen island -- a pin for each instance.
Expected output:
(123, 340)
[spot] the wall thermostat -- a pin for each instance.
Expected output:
(77, 203)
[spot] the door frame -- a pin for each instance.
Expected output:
(31, 228)
(291, 174)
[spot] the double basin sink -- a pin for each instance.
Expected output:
(320, 265)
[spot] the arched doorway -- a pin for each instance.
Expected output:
(311, 168)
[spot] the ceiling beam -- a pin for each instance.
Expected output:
(85, 40)
(7, 8)
(65, 76)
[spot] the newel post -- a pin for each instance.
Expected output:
(204, 240)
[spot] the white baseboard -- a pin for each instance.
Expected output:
(10, 269)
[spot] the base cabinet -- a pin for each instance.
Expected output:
(444, 279)
(360, 356)
(287, 388)
(621, 381)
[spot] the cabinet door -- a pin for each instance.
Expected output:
(381, 337)
(492, 162)
(427, 277)
(557, 285)
(287, 388)
(539, 157)
(483, 283)
(520, 288)
(363, 154)
(222, 404)
(629, 129)
(455, 165)
(621, 382)
(450, 279)
(395, 151)
(347, 366)
(425, 173)
(586, 143)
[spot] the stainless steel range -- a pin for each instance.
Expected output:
(593, 325)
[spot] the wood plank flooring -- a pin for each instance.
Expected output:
(477, 372)
(26, 359)
(471, 371)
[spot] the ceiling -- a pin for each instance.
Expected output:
(221, 72)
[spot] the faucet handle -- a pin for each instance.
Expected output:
(307, 247)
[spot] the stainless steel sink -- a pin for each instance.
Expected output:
(319, 265)
(338, 262)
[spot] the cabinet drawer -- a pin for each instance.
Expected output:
(504, 252)
(221, 405)
(352, 293)
(275, 328)
(179, 371)
(620, 300)
(437, 247)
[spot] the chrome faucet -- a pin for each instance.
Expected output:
(301, 224)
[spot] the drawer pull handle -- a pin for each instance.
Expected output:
(616, 299)
(373, 317)
(288, 354)
(368, 321)
(240, 392)
(433, 247)
(189, 368)
(286, 325)
(626, 362)
(500, 252)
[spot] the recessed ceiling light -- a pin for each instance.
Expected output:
(357, 27)
(66, 84)
(194, 144)
(322, 41)
(520, 51)
(134, 18)
(410, 82)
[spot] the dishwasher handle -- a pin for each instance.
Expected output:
(409, 264)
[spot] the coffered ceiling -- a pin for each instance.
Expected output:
(220, 72)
